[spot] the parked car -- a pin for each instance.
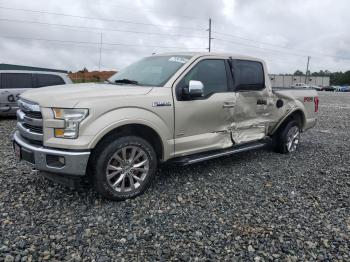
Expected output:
(318, 88)
(300, 85)
(179, 107)
(14, 82)
(343, 89)
(328, 88)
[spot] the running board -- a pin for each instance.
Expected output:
(196, 158)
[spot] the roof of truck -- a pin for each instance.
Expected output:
(199, 54)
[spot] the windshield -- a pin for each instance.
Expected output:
(150, 71)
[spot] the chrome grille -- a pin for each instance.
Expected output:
(36, 115)
(30, 123)
(35, 129)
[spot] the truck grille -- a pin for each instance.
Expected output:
(30, 121)
(36, 115)
(35, 129)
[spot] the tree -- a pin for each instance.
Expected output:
(298, 73)
(85, 70)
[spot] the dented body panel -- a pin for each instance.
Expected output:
(218, 121)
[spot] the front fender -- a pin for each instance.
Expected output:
(130, 115)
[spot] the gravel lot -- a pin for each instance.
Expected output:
(258, 206)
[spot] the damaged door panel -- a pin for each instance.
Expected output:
(253, 102)
(250, 119)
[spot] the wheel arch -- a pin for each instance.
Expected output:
(142, 130)
(296, 115)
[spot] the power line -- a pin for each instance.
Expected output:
(258, 47)
(281, 51)
(98, 18)
(95, 43)
(249, 39)
(97, 28)
(158, 11)
(279, 46)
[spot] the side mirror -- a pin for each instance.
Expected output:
(195, 88)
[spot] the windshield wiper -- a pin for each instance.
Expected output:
(109, 82)
(126, 81)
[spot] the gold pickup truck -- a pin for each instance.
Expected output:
(176, 107)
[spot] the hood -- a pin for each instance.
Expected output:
(70, 95)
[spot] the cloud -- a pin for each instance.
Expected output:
(282, 32)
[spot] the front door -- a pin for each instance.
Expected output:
(203, 124)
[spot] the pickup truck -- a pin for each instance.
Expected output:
(175, 107)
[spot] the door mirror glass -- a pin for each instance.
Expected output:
(195, 88)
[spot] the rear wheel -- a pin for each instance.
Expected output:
(288, 138)
(124, 167)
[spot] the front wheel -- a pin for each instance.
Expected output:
(124, 167)
(288, 138)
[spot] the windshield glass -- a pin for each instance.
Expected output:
(150, 71)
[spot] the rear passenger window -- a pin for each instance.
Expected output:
(16, 81)
(249, 75)
(212, 73)
(48, 80)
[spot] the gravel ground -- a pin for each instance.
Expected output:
(257, 205)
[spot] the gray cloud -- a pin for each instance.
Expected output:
(282, 32)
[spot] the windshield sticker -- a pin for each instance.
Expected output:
(181, 60)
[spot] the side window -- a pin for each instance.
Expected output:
(212, 73)
(249, 75)
(48, 80)
(16, 81)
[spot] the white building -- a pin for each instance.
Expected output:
(289, 80)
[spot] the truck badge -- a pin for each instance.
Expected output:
(155, 104)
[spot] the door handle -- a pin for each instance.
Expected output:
(261, 102)
(228, 105)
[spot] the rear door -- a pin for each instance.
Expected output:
(12, 85)
(253, 101)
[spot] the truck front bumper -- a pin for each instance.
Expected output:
(51, 160)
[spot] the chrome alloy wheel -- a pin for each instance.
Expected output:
(293, 138)
(127, 169)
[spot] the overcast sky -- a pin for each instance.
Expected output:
(282, 32)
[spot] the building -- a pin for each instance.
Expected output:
(289, 80)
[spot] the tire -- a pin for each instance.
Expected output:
(123, 168)
(288, 138)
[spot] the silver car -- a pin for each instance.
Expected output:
(14, 82)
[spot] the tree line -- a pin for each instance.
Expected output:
(336, 78)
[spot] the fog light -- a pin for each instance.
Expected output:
(59, 132)
(55, 161)
(61, 160)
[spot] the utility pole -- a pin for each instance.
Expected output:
(210, 38)
(307, 69)
(99, 61)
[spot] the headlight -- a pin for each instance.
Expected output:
(72, 119)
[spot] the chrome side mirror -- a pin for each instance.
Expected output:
(195, 88)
